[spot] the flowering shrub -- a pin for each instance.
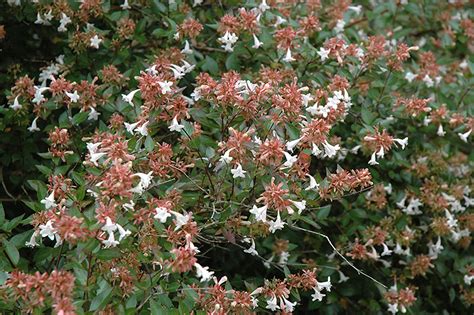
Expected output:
(215, 157)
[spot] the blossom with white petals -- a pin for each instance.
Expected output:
(203, 272)
(402, 142)
(330, 150)
(441, 131)
(276, 225)
(465, 135)
(290, 145)
(162, 214)
(228, 40)
(290, 159)
(129, 97)
(16, 104)
(165, 86)
(110, 242)
(49, 201)
(323, 53)
(256, 42)
(33, 126)
(187, 49)
(122, 232)
(288, 57)
(143, 129)
(109, 226)
(238, 171)
(180, 219)
(63, 22)
(73, 97)
(47, 230)
(95, 41)
(93, 114)
(312, 183)
(260, 213)
(226, 158)
(175, 126)
(125, 5)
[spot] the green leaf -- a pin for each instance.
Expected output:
(108, 254)
(12, 252)
(210, 65)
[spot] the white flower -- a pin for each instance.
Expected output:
(49, 16)
(410, 76)
(178, 71)
(290, 145)
(435, 249)
(226, 158)
(143, 129)
(465, 135)
(39, 94)
(440, 131)
(110, 242)
(32, 242)
(381, 153)
(323, 53)
(342, 277)
(129, 97)
(312, 183)
(49, 201)
(357, 9)
(123, 233)
(386, 250)
(33, 126)
(238, 172)
(330, 150)
(39, 19)
(279, 21)
(187, 49)
(145, 179)
(203, 272)
(162, 214)
(288, 57)
(94, 157)
(165, 86)
(256, 42)
(175, 126)
(316, 151)
(228, 40)
(339, 26)
(290, 159)
(317, 295)
(278, 224)
(73, 97)
(373, 160)
(180, 219)
(260, 213)
(428, 81)
(95, 41)
(468, 279)
(403, 142)
(263, 6)
(131, 127)
(64, 21)
(393, 308)
(16, 105)
(47, 230)
(251, 250)
(325, 285)
(109, 226)
(272, 304)
(93, 115)
(300, 205)
(125, 5)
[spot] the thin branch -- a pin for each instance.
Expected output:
(337, 252)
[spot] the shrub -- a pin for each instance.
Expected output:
(178, 157)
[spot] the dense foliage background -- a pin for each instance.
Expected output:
(170, 157)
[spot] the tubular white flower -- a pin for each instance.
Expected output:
(175, 126)
(49, 201)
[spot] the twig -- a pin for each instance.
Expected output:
(337, 252)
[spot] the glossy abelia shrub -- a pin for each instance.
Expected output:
(236, 157)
